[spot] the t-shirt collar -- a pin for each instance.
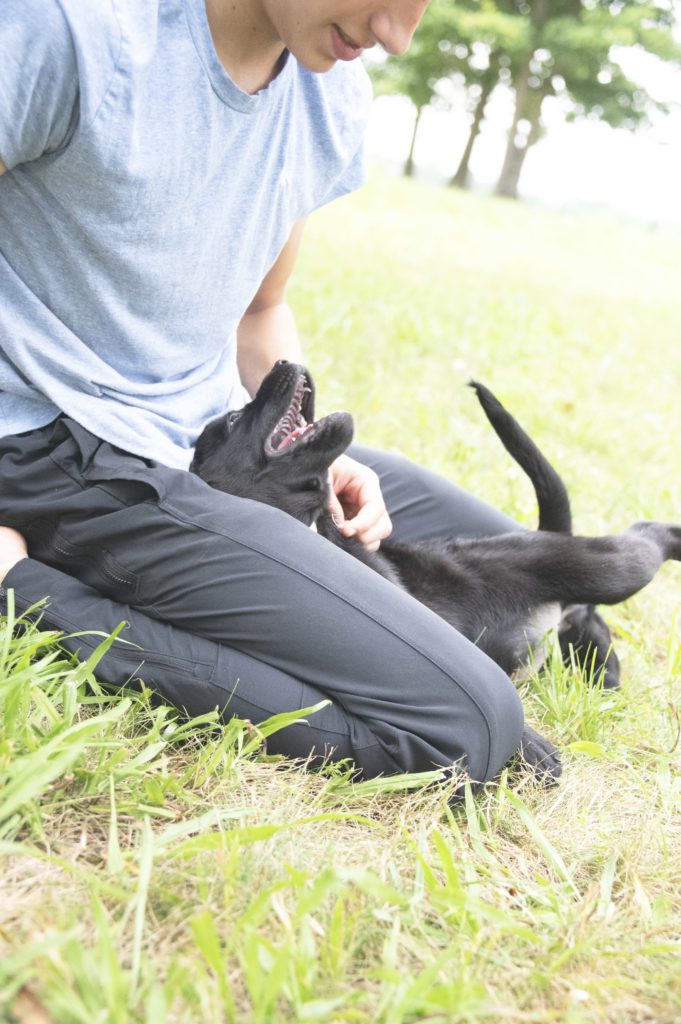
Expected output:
(228, 91)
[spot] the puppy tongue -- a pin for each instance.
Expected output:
(295, 433)
(290, 438)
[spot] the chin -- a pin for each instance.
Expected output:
(318, 66)
(316, 61)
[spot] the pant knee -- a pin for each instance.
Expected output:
(505, 721)
(477, 729)
(483, 727)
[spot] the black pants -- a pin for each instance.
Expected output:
(233, 604)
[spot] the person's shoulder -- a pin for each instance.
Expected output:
(349, 80)
(45, 13)
(97, 37)
(96, 19)
(346, 82)
(339, 98)
(38, 98)
(62, 23)
(94, 28)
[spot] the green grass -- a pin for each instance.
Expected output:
(157, 870)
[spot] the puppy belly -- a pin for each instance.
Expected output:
(543, 623)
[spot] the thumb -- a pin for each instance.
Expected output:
(336, 510)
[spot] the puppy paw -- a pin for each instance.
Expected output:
(540, 756)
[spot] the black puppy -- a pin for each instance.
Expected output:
(501, 592)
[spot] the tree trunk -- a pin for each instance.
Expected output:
(409, 165)
(460, 179)
(528, 107)
(510, 173)
(507, 184)
(528, 103)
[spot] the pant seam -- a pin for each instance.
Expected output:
(164, 505)
(89, 643)
(140, 655)
(175, 513)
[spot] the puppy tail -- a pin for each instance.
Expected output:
(552, 496)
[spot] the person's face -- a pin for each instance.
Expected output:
(320, 32)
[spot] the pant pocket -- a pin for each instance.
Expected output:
(88, 562)
(86, 458)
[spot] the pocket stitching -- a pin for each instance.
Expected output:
(106, 565)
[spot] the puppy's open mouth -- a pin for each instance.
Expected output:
(296, 421)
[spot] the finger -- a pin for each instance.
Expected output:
(372, 534)
(336, 510)
(371, 525)
(370, 516)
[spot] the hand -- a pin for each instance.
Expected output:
(357, 504)
(12, 550)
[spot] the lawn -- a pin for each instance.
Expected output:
(157, 870)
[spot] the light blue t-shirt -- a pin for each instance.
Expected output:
(146, 198)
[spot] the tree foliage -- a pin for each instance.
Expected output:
(537, 48)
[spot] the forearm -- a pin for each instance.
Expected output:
(265, 335)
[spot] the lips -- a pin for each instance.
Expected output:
(343, 46)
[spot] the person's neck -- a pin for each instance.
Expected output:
(245, 41)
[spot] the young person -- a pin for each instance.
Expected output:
(160, 160)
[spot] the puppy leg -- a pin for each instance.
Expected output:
(540, 755)
(666, 536)
(589, 570)
(624, 565)
(634, 559)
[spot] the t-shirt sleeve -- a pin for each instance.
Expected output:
(357, 99)
(353, 177)
(38, 80)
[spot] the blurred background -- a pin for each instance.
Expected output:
(571, 103)
(521, 226)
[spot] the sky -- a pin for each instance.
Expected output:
(583, 164)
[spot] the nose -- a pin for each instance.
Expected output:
(394, 24)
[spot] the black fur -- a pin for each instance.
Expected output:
(494, 590)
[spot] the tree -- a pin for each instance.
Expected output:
(463, 41)
(538, 48)
(482, 38)
(570, 52)
(416, 75)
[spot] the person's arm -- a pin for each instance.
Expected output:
(267, 331)
(40, 94)
(12, 550)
